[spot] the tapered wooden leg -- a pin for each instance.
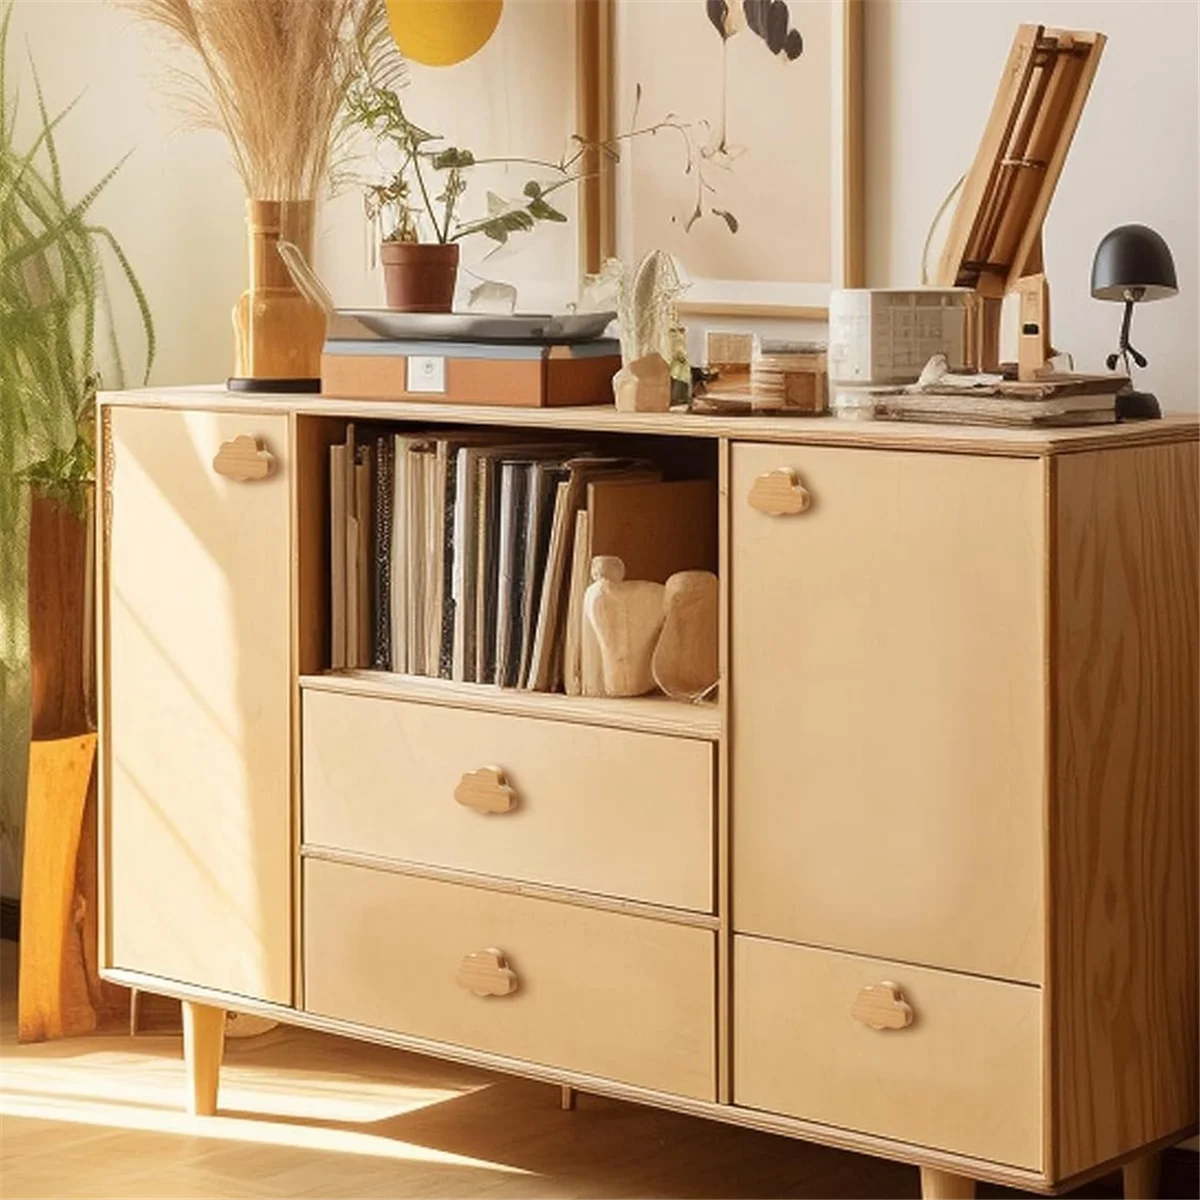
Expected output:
(567, 1098)
(1140, 1177)
(203, 1046)
(944, 1185)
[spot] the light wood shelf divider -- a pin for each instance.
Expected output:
(647, 714)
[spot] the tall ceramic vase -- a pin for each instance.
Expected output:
(279, 333)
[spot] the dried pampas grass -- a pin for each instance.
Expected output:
(272, 75)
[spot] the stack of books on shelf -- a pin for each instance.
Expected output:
(465, 555)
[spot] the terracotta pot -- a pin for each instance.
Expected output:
(419, 276)
(57, 589)
(279, 333)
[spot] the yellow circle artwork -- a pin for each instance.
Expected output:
(440, 33)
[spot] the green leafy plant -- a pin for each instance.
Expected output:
(405, 206)
(51, 292)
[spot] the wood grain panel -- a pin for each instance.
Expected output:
(1123, 871)
(620, 997)
(965, 1075)
(197, 725)
(598, 810)
(888, 708)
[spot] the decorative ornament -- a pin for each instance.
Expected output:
(440, 33)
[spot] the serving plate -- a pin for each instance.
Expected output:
(476, 327)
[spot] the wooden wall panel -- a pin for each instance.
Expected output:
(1123, 810)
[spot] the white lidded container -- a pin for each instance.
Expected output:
(887, 335)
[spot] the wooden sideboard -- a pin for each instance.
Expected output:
(921, 884)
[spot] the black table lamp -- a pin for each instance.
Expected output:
(1133, 264)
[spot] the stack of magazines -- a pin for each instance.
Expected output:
(465, 555)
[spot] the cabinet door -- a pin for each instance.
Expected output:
(887, 691)
(197, 763)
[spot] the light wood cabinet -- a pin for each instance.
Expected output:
(923, 883)
(197, 763)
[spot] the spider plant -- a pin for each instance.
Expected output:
(52, 290)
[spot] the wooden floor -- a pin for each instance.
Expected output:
(305, 1114)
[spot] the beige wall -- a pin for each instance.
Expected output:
(931, 70)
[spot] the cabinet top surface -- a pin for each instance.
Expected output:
(824, 430)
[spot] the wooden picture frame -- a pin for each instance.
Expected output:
(598, 84)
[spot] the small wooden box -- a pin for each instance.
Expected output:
(514, 376)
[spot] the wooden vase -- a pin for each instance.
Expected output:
(60, 992)
(57, 595)
(279, 333)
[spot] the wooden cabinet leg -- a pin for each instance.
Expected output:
(567, 1098)
(944, 1185)
(203, 1046)
(1140, 1177)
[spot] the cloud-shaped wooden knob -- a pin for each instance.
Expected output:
(244, 458)
(779, 493)
(882, 1006)
(486, 791)
(487, 973)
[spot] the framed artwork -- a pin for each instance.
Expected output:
(739, 130)
(470, 69)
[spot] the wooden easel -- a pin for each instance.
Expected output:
(995, 240)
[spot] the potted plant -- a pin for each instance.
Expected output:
(416, 210)
(52, 304)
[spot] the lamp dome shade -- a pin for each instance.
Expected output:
(440, 33)
(1133, 256)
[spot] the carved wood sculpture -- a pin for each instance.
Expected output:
(623, 618)
(995, 239)
(487, 973)
(685, 663)
(486, 791)
(882, 1006)
(244, 458)
(644, 385)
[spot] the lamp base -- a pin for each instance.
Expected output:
(1138, 406)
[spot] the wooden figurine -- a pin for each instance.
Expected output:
(685, 662)
(644, 385)
(622, 620)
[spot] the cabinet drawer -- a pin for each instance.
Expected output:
(598, 810)
(964, 1075)
(620, 997)
(888, 705)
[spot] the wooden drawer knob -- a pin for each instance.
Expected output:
(486, 791)
(779, 493)
(244, 458)
(487, 973)
(882, 1006)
